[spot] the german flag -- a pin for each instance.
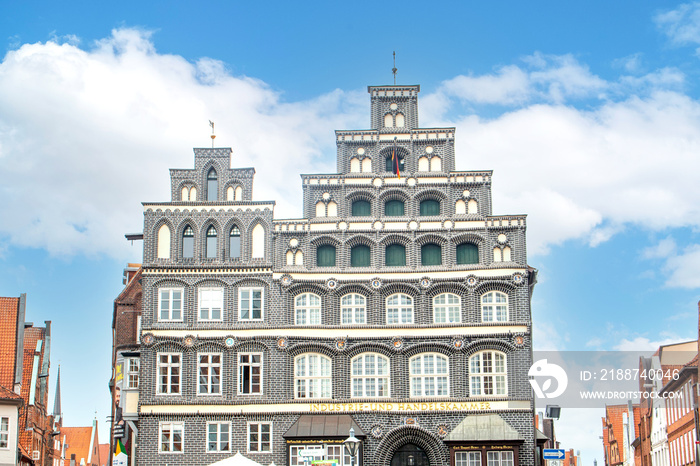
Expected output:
(395, 162)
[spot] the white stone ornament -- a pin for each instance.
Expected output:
(361, 151)
(502, 238)
(376, 283)
(326, 196)
(429, 150)
(394, 106)
(293, 242)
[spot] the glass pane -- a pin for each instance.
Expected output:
(394, 208)
(325, 256)
(395, 255)
(431, 254)
(430, 207)
(360, 256)
(467, 253)
(361, 209)
(211, 247)
(234, 247)
(212, 186)
(188, 247)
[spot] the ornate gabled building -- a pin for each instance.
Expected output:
(398, 306)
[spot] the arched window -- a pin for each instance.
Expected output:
(212, 186)
(506, 254)
(460, 207)
(487, 374)
(193, 194)
(185, 196)
(472, 207)
(423, 164)
(400, 120)
(229, 193)
(390, 165)
(494, 307)
(388, 120)
(320, 209)
(370, 376)
(163, 245)
(354, 165)
(435, 164)
(429, 375)
(307, 309)
(366, 165)
(360, 256)
(258, 242)
(312, 376)
(394, 208)
(447, 308)
(299, 258)
(429, 207)
(290, 258)
(234, 243)
(431, 254)
(467, 253)
(395, 255)
(211, 245)
(361, 208)
(325, 256)
(497, 254)
(352, 309)
(399, 309)
(188, 242)
(332, 209)
(238, 195)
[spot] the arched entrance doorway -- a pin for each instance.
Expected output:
(410, 455)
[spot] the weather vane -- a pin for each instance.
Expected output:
(394, 70)
(211, 123)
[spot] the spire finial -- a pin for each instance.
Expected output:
(211, 123)
(394, 70)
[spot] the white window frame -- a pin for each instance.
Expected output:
(338, 452)
(170, 307)
(250, 291)
(259, 442)
(493, 310)
(209, 300)
(4, 432)
(172, 426)
(353, 311)
(168, 366)
(250, 365)
(368, 377)
(295, 459)
(424, 376)
(400, 312)
(480, 380)
(308, 374)
(218, 434)
(210, 365)
(468, 458)
(132, 373)
(447, 308)
(496, 458)
(311, 313)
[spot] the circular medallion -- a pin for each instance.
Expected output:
(519, 341)
(465, 193)
(377, 182)
(397, 343)
(188, 341)
(229, 342)
(442, 431)
(326, 196)
(518, 279)
(376, 283)
(412, 225)
(340, 344)
(377, 431)
(429, 150)
(447, 225)
(471, 280)
(286, 280)
(282, 342)
(425, 282)
(342, 226)
(502, 238)
(332, 284)
(377, 225)
(293, 242)
(361, 151)
(411, 182)
(148, 339)
(458, 343)
(394, 106)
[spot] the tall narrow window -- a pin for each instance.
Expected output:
(312, 376)
(400, 120)
(429, 374)
(229, 193)
(325, 256)
(258, 242)
(259, 437)
(212, 186)
(399, 309)
(171, 437)
(250, 304)
(234, 243)
(250, 373)
(307, 309)
(467, 253)
(487, 374)
(132, 372)
(361, 208)
(352, 309)
(209, 368)
(395, 255)
(169, 365)
(360, 256)
(431, 254)
(163, 246)
(370, 376)
(188, 243)
(238, 195)
(211, 246)
(494, 307)
(218, 436)
(429, 207)
(446, 308)
(4, 431)
(394, 208)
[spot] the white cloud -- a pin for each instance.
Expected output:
(509, 85)
(681, 25)
(645, 344)
(85, 136)
(663, 249)
(684, 269)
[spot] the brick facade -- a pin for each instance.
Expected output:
(432, 239)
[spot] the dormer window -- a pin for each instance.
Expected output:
(212, 185)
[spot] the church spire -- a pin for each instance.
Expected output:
(57, 399)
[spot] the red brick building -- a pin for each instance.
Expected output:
(680, 414)
(620, 429)
(82, 446)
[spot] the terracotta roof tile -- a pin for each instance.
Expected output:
(78, 441)
(104, 454)
(6, 394)
(9, 308)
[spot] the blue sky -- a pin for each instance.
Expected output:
(588, 113)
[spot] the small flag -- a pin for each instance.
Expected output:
(119, 448)
(395, 162)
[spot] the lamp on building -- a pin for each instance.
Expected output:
(411, 460)
(552, 411)
(352, 445)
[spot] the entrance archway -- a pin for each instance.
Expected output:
(410, 455)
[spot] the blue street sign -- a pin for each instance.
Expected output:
(553, 454)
